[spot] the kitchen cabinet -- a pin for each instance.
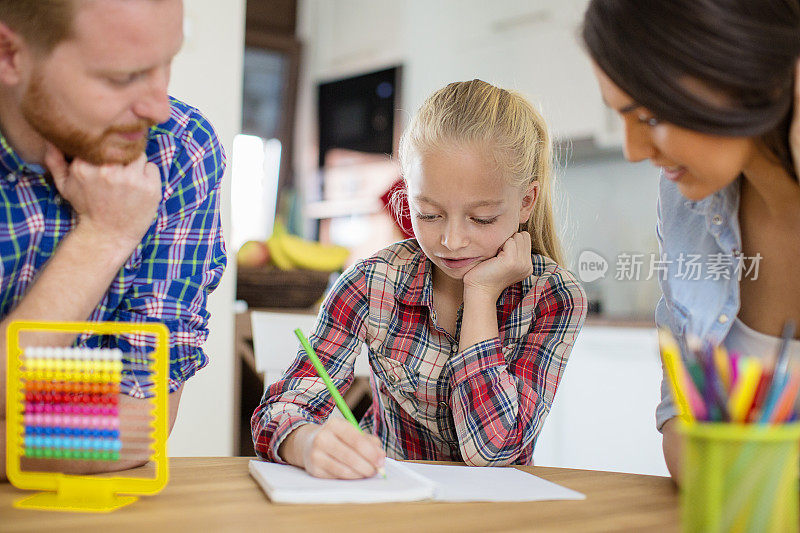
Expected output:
(532, 47)
(603, 417)
(529, 45)
(355, 36)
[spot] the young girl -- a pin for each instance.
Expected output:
(705, 90)
(469, 325)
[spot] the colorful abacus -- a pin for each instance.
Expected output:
(71, 397)
(63, 405)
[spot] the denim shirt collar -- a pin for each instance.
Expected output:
(727, 200)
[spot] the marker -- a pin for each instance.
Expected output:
(722, 364)
(785, 403)
(671, 357)
(779, 374)
(745, 389)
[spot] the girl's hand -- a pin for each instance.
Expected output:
(336, 449)
(794, 130)
(511, 264)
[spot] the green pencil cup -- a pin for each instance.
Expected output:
(740, 477)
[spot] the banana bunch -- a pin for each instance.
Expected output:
(290, 251)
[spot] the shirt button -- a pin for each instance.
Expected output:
(57, 200)
(722, 318)
(392, 379)
(12, 178)
(716, 220)
(444, 405)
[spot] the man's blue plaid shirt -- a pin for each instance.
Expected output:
(170, 273)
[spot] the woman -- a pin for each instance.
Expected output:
(707, 90)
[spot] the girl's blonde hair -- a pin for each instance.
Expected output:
(509, 127)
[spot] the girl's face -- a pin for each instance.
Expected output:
(462, 209)
(700, 164)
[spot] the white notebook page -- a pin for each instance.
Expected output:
(289, 484)
(490, 484)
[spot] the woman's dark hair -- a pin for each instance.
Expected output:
(742, 51)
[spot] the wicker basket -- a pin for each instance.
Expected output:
(271, 287)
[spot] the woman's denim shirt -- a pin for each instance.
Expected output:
(700, 244)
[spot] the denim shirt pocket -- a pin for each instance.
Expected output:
(679, 316)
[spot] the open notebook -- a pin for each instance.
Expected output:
(408, 482)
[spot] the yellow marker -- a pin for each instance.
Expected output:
(722, 363)
(741, 396)
(676, 373)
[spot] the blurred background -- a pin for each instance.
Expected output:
(310, 98)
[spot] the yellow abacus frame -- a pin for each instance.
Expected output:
(85, 493)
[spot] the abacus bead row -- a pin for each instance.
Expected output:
(68, 397)
(80, 421)
(57, 375)
(72, 386)
(51, 352)
(67, 409)
(36, 441)
(57, 453)
(61, 431)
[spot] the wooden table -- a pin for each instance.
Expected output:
(217, 494)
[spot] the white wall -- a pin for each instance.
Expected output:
(609, 206)
(207, 74)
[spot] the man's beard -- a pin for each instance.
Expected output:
(39, 109)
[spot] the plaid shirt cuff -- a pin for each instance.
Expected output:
(476, 360)
(286, 425)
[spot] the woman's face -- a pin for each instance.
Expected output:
(700, 164)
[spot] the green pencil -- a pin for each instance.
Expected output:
(337, 398)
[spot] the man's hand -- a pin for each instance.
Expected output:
(511, 264)
(114, 203)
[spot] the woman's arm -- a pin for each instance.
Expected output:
(673, 447)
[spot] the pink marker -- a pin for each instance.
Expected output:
(696, 403)
(734, 357)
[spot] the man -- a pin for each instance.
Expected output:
(110, 189)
